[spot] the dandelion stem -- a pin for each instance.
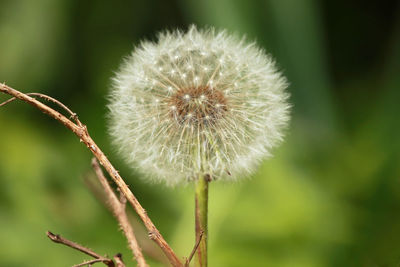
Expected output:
(201, 213)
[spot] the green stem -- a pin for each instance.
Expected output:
(201, 212)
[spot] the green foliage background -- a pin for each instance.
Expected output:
(329, 197)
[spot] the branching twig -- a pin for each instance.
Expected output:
(149, 248)
(118, 209)
(51, 99)
(71, 244)
(201, 218)
(189, 259)
(118, 260)
(81, 131)
(89, 263)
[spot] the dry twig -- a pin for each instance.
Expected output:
(88, 263)
(149, 248)
(118, 260)
(188, 259)
(71, 244)
(118, 209)
(48, 98)
(81, 131)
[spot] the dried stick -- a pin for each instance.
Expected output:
(149, 248)
(201, 219)
(118, 260)
(89, 263)
(80, 130)
(188, 260)
(71, 244)
(48, 98)
(118, 209)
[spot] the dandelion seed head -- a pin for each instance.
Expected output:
(197, 102)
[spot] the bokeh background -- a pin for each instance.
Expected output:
(330, 196)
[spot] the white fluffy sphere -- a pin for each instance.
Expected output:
(196, 103)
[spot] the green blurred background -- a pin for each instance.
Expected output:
(329, 197)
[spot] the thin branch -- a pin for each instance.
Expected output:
(51, 99)
(7, 101)
(118, 260)
(149, 248)
(118, 209)
(201, 218)
(71, 244)
(189, 259)
(80, 130)
(89, 263)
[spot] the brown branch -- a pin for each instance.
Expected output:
(118, 260)
(149, 248)
(118, 209)
(89, 263)
(81, 132)
(189, 259)
(51, 99)
(71, 244)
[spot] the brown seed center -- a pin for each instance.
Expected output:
(200, 105)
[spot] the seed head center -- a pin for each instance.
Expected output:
(197, 105)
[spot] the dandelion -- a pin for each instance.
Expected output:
(195, 106)
(197, 103)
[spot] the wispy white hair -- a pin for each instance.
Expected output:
(195, 103)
